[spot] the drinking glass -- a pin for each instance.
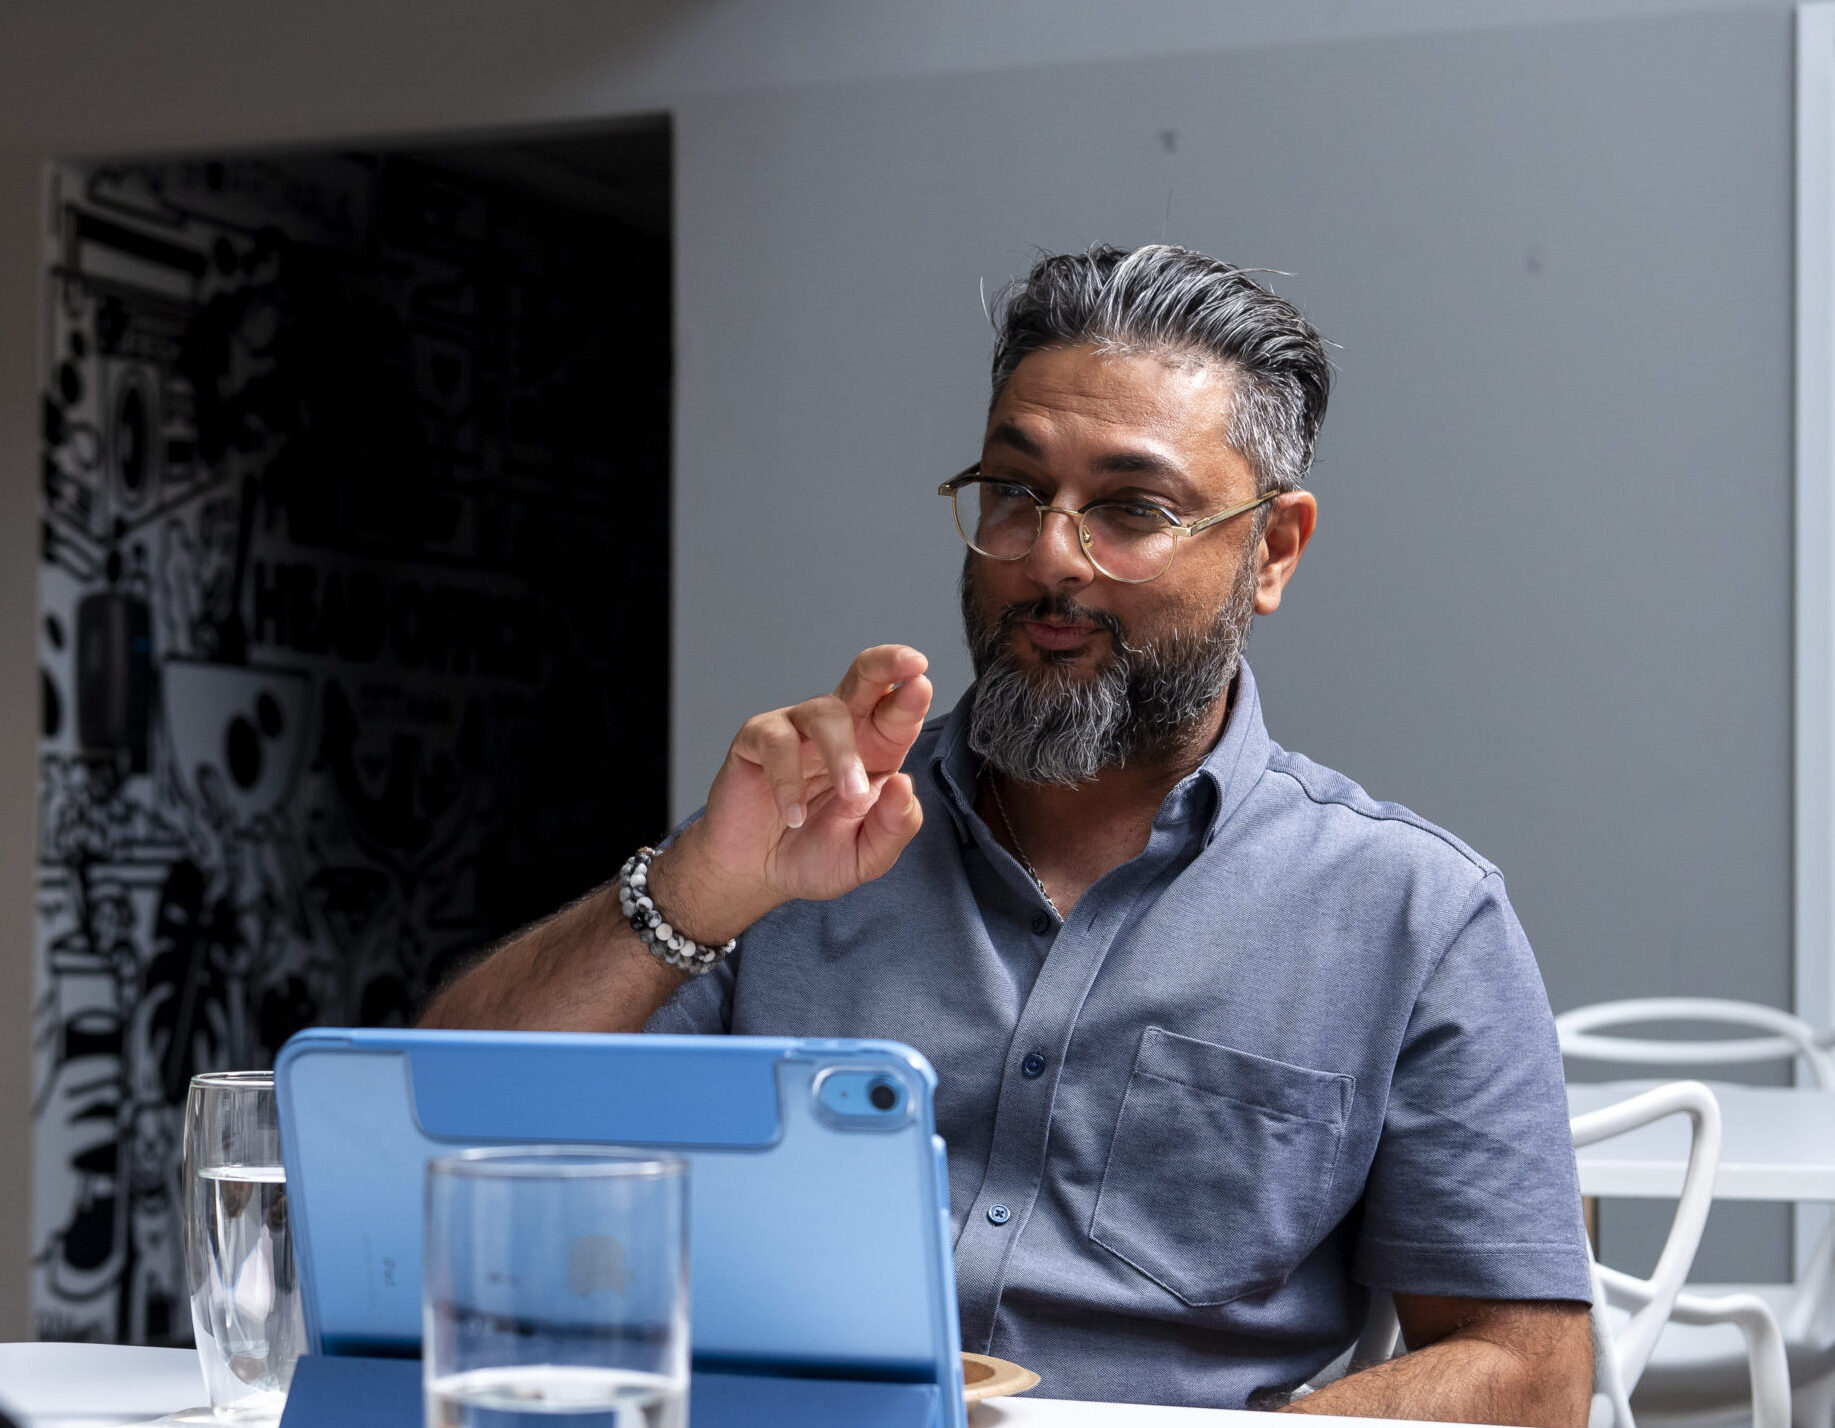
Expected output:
(556, 1289)
(238, 1252)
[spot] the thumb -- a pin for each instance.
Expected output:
(890, 824)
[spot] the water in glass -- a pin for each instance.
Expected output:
(550, 1395)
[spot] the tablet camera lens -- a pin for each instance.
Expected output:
(883, 1095)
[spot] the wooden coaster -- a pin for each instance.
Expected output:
(984, 1377)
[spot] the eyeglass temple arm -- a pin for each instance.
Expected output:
(1234, 511)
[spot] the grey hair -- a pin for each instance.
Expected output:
(1172, 301)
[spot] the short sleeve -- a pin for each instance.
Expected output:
(1473, 1191)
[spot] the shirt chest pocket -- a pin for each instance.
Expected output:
(1220, 1170)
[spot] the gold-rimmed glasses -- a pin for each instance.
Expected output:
(1127, 538)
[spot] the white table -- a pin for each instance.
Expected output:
(1777, 1143)
(105, 1386)
(96, 1385)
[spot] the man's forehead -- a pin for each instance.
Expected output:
(1114, 412)
(1133, 456)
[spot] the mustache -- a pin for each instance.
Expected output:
(1063, 609)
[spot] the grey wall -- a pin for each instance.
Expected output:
(1549, 604)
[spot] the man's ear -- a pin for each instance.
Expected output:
(1292, 516)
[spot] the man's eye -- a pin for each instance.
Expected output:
(1010, 491)
(1138, 512)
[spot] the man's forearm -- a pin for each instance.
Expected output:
(1454, 1381)
(582, 969)
(1464, 1379)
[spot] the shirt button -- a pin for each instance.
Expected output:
(1041, 924)
(999, 1214)
(1033, 1066)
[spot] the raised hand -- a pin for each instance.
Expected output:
(810, 802)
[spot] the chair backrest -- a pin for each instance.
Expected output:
(1787, 1037)
(1621, 1353)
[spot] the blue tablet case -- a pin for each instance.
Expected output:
(818, 1233)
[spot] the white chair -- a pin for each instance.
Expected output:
(1786, 1036)
(1630, 1314)
(1697, 1375)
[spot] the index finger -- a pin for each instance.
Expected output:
(875, 671)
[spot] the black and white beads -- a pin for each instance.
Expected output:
(675, 948)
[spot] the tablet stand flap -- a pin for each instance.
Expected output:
(338, 1392)
(331, 1391)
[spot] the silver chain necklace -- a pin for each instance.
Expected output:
(1025, 862)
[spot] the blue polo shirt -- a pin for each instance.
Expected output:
(1296, 1050)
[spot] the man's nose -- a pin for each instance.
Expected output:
(1057, 557)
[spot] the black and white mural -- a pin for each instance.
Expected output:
(353, 636)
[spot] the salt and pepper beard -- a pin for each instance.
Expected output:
(1140, 703)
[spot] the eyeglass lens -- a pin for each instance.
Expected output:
(1125, 542)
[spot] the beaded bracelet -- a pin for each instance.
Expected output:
(678, 950)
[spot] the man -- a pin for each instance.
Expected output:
(1223, 1044)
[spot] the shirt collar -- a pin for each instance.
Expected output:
(1231, 768)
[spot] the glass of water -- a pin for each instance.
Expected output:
(556, 1289)
(239, 1266)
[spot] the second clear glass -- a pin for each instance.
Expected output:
(556, 1289)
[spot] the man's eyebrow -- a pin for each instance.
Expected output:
(1166, 472)
(1149, 462)
(1007, 434)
